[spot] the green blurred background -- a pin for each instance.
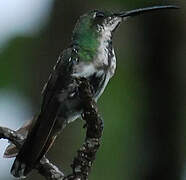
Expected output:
(143, 106)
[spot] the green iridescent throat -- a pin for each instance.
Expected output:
(85, 37)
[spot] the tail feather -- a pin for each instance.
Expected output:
(37, 141)
(19, 169)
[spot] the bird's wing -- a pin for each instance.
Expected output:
(41, 135)
(59, 77)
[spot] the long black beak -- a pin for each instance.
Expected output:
(139, 11)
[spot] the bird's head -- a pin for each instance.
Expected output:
(96, 25)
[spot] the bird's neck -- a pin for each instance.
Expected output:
(86, 44)
(92, 48)
(105, 46)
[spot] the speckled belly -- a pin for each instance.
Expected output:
(71, 107)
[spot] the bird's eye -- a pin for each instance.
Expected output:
(100, 15)
(99, 18)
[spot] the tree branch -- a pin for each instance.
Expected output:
(11, 135)
(82, 163)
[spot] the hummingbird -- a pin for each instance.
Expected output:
(90, 55)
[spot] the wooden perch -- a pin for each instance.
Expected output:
(82, 163)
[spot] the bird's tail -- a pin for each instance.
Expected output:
(38, 141)
(20, 169)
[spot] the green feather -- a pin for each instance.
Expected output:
(86, 37)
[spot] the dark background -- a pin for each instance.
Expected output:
(144, 104)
